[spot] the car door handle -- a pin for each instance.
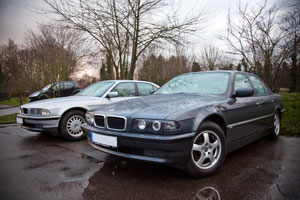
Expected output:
(257, 103)
(272, 101)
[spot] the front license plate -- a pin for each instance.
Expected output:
(104, 139)
(19, 120)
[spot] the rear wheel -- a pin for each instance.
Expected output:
(208, 151)
(70, 126)
(276, 127)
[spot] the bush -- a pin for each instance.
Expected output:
(290, 123)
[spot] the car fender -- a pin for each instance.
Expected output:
(211, 114)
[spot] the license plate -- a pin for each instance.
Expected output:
(19, 120)
(103, 139)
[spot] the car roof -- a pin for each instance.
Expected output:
(124, 81)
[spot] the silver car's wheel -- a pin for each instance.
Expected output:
(73, 125)
(276, 124)
(206, 149)
(70, 125)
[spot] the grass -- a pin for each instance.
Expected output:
(8, 118)
(290, 123)
(12, 102)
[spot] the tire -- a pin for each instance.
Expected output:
(208, 151)
(276, 127)
(70, 125)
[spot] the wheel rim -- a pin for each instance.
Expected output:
(206, 149)
(73, 125)
(276, 124)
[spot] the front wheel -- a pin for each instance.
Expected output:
(70, 126)
(208, 151)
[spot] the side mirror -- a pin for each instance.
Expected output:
(243, 92)
(112, 95)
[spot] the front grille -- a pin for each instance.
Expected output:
(99, 121)
(116, 123)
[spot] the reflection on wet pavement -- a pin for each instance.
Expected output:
(261, 170)
(208, 193)
(41, 166)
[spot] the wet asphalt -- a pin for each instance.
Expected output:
(42, 166)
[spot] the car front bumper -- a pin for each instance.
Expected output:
(38, 123)
(165, 149)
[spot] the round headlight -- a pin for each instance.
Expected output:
(156, 125)
(142, 124)
(89, 117)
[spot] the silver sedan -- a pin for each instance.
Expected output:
(65, 115)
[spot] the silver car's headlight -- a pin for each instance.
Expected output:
(45, 112)
(89, 117)
(40, 111)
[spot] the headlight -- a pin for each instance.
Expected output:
(142, 124)
(154, 126)
(171, 125)
(89, 117)
(45, 112)
(39, 111)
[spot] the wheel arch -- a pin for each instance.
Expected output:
(69, 110)
(218, 119)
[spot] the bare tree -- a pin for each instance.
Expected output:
(209, 57)
(57, 52)
(125, 28)
(258, 39)
(14, 68)
(291, 27)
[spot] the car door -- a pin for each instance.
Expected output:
(145, 89)
(125, 90)
(265, 102)
(242, 112)
(67, 89)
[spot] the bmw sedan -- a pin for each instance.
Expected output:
(65, 115)
(191, 122)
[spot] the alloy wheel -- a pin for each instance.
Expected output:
(74, 125)
(206, 149)
(276, 124)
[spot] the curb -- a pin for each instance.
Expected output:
(8, 123)
(8, 107)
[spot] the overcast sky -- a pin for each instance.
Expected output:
(17, 15)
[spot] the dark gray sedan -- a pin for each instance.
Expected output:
(191, 122)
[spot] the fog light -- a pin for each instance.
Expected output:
(142, 124)
(156, 125)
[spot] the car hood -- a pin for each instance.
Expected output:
(35, 94)
(158, 106)
(63, 102)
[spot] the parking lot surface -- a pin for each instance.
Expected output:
(42, 166)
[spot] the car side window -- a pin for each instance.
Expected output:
(125, 89)
(241, 81)
(68, 85)
(57, 86)
(145, 89)
(258, 86)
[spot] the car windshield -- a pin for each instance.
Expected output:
(45, 89)
(198, 83)
(96, 90)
